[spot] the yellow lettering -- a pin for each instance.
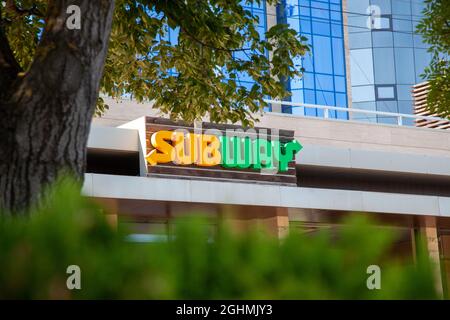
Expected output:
(164, 151)
(210, 154)
(185, 148)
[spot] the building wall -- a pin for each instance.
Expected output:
(387, 56)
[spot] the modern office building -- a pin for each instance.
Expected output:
(388, 59)
(365, 54)
(395, 173)
(324, 81)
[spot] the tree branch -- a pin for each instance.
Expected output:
(207, 45)
(182, 7)
(9, 67)
(34, 11)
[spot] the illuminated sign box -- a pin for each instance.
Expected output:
(220, 152)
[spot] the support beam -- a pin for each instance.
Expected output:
(428, 229)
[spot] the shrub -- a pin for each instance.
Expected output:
(71, 230)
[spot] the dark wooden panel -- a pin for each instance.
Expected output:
(223, 175)
(290, 171)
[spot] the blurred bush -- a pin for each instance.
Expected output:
(71, 230)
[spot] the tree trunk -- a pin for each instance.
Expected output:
(46, 112)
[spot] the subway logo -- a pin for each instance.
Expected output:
(205, 150)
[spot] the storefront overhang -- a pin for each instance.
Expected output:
(247, 194)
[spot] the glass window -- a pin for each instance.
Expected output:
(322, 54)
(292, 8)
(358, 6)
(387, 106)
(385, 92)
(310, 96)
(384, 65)
(340, 84)
(404, 65)
(320, 10)
(417, 8)
(322, 28)
(308, 62)
(418, 41)
(305, 25)
(360, 40)
(294, 24)
(357, 23)
(297, 110)
(384, 5)
(325, 98)
(361, 67)
(402, 39)
(304, 9)
(338, 56)
(365, 106)
(382, 39)
(337, 16)
(336, 11)
(363, 116)
(297, 96)
(407, 108)
(336, 30)
(341, 100)
(402, 24)
(421, 59)
(324, 82)
(404, 92)
(297, 83)
(363, 93)
(401, 7)
(308, 80)
(385, 22)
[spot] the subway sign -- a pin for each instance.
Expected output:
(224, 152)
(205, 150)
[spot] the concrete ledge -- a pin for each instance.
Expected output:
(373, 160)
(110, 138)
(161, 189)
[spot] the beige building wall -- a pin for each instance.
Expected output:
(318, 132)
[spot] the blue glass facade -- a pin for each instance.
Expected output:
(385, 56)
(324, 79)
(258, 10)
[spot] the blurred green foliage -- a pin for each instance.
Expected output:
(70, 230)
(435, 30)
